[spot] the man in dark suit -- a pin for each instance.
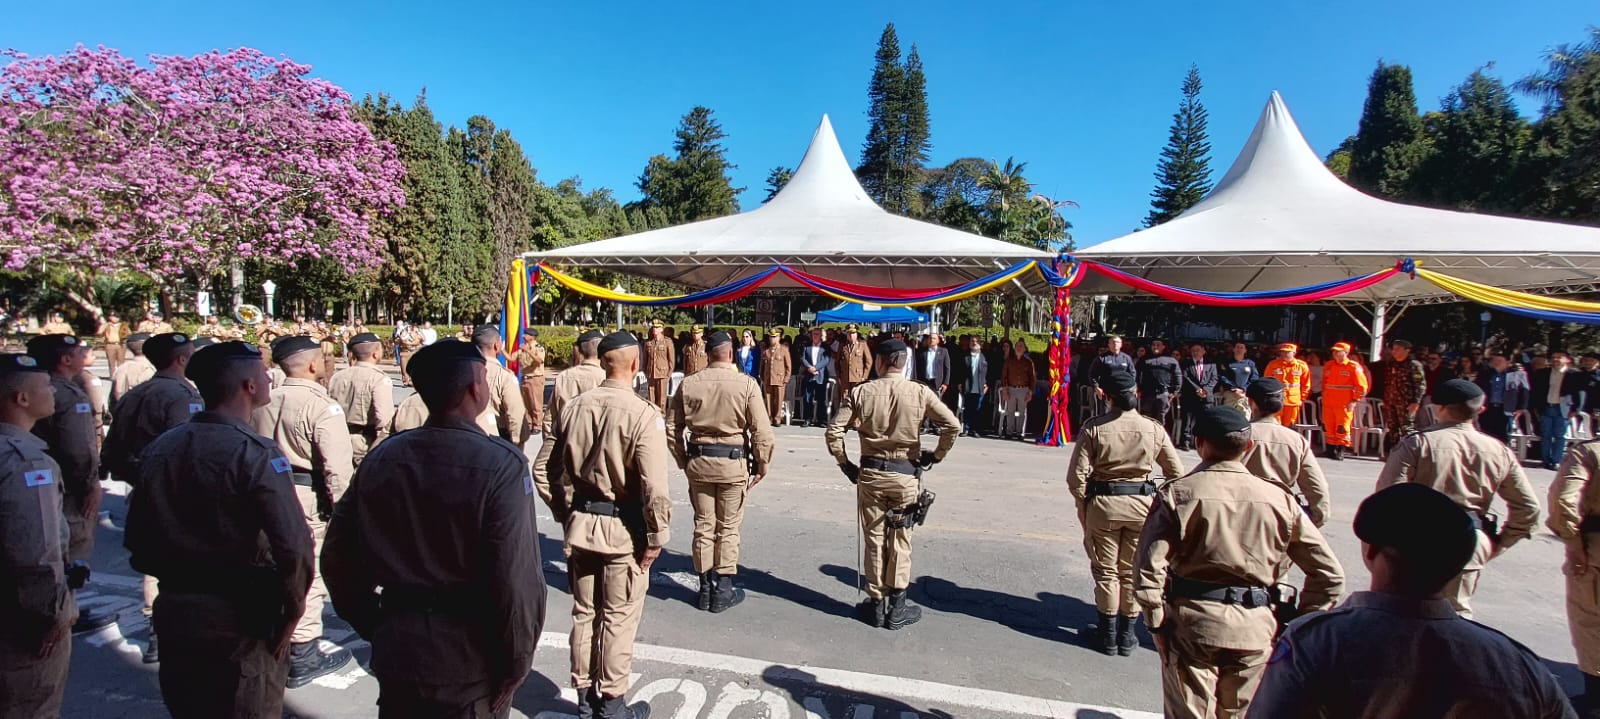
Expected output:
(1199, 381)
(1555, 397)
(816, 364)
(933, 365)
(1505, 392)
(971, 372)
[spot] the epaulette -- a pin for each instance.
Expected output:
(258, 439)
(1525, 650)
(1301, 623)
(506, 445)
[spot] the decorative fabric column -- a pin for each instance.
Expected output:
(1058, 425)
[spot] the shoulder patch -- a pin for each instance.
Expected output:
(38, 477)
(527, 484)
(82, 408)
(280, 465)
(335, 409)
(196, 407)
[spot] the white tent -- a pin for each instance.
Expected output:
(1280, 219)
(821, 222)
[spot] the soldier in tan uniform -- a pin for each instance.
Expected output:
(720, 436)
(888, 413)
(1217, 543)
(113, 332)
(411, 414)
(74, 444)
(1469, 467)
(506, 413)
(440, 520)
(144, 414)
(269, 332)
(365, 394)
(406, 343)
(852, 364)
(584, 374)
(329, 340)
(135, 371)
(611, 496)
(1111, 478)
(233, 574)
(1575, 518)
(36, 605)
(310, 430)
(1283, 455)
(153, 324)
(694, 353)
(659, 358)
(530, 364)
(56, 326)
(776, 368)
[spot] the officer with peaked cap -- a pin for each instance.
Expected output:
(852, 364)
(1282, 455)
(776, 369)
(694, 352)
(583, 375)
(365, 394)
(233, 574)
(1469, 467)
(1217, 544)
(530, 359)
(659, 357)
(506, 413)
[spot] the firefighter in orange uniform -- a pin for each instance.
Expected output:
(1296, 378)
(1344, 383)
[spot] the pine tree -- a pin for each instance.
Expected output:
(694, 185)
(1389, 142)
(1183, 176)
(885, 116)
(913, 144)
(1478, 141)
(777, 179)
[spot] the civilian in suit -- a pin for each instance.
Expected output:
(933, 365)
(971, 373)
(1506, 393)
(816, 364)
(1557, 392)
(1199, 382)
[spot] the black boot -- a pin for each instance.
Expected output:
(89, 621)
(1126, 640)
(901, 613)
(617, 708)
(307, 661)
(726, 596)
(1589, 707)
(708, 582)
(871, 611)
(1105, 636)
(152, 650)
(589, 703)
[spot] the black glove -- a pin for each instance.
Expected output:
(851, 471)
(926, 459)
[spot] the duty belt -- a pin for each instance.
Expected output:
(304, 479)
(358, 428)
(1589, 524)
(1244, 596)
(606, 509)
(884, 464)
(1121, 488)
(454, 600)
(721, 451)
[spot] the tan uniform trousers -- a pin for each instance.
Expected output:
(774, 396)
(310, 626)
(405, 366)
(209, 668)
(1111, 539)
(1583, 610)
(718, 512)
(1200, 681)
(31, 687)
(658, 391)
(360, 445)
(1460, 590)
(886, 555)
(533, 399)
(607, 603)
(116, 354)
(410, 700)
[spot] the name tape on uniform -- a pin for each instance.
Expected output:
(280, 465)
(38, 478)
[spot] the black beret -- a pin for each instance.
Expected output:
(1118, 381)
(161, 348)
(208, 361)
(51, 343)
(590, 336)
(200, 343)
(1420, 523)
(530, 332)
(137, 337)
(1456, 391)
(485, 333)
(1219, 420)
(287, 347)
(1264, 388)
(363, 338)
(616, 341)
(429, 361)
(889, 347)
(13, 363)
(718, 339)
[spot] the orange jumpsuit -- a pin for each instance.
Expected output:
(1296, 378)
(1343, 384)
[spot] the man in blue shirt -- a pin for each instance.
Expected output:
(1505, 389)
(1236, 376)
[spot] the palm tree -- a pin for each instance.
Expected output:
(1005, 184)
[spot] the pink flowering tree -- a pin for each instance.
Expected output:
(181, 168)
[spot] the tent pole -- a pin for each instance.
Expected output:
(1380, 313)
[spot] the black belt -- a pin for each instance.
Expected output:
(1244, 596)
(1121, 488)
(605, 509)
(884, 464)
(1589, 524)
(359, 428)
(452, 600)
(720, 451)
(303, 479)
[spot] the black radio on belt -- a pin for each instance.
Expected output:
(77, 573)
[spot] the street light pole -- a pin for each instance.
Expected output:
(270, 288)
(1483, 329)
(620, 289)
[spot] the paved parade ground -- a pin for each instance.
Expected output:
(1000, 570)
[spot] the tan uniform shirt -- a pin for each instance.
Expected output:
(1575, 494)
(890, 410)
(310, 430)
(611, 446)
(144, 414)
(408, 339)
(530, 360)
(33, 542)
(411, 414)
(113, 333)
(1469, 467)
(776, 366)
(1120, 446)
(366, 396)
(694, 357)
(71, 438)
(55, 328)
(853, 363)
(658, 356)
(506, 411)
(130, 374)
(154, 328)
(1222, 525)
(444, 509)
(1284, 456)
(719, 405)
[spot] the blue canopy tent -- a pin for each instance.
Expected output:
(872, 314)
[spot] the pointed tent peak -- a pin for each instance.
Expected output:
(823, 180)
(1276, 164)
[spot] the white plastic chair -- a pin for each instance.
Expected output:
(1521, 436)
(1580, 427)
(1310, 423)
(1368, 427)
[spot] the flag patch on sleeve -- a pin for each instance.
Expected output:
(280, 465)
(38, 478)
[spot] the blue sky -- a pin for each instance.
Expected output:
(1081, 91)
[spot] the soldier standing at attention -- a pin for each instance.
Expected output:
(37, 608)
(584, 374)
(365, 394)
(1575, 518)
(1282, 455)
(1296, 378)
(506, 413)
(1110, 478)
(442, 523)
(216, 521)
(611, 489)
(888, 413)
(1469, 467)
(776, 367)
(1399, 650)
(154, 324)
(530, 364)
(144, 414)
(406, 343)
(1113, 359)
(852, 364)
(112, 334)
(69, 433)
(56, 326)
(694, 353)
(1216, 544)
(659, 358)
(133, 372)
(720, 436)
(1405, 383)
(310, 430)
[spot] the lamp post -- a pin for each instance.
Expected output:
(1101, 300)
(1311, 329)
(271, 288)
(1483, 328)
(620, 289)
